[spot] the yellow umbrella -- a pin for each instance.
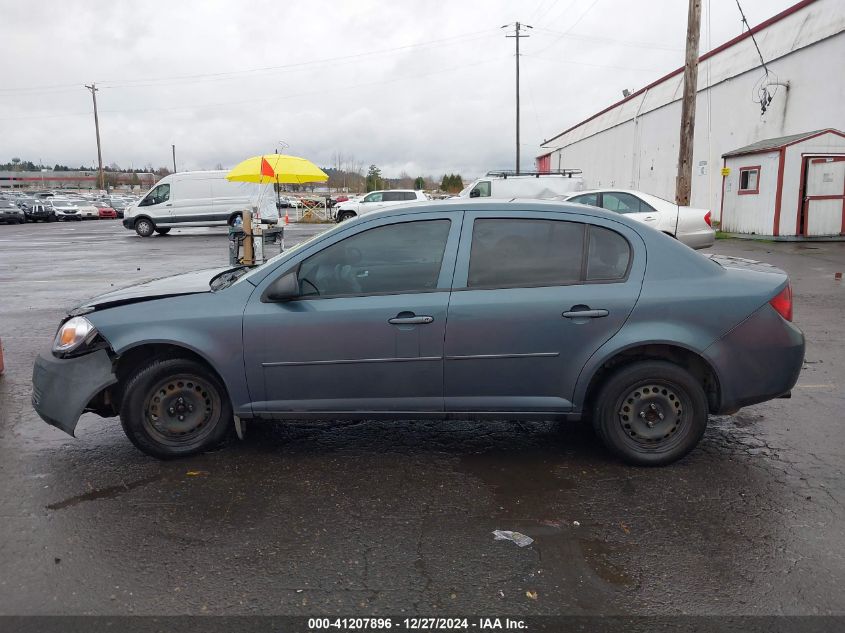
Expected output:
(277, 168)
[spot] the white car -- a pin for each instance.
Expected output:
(63, 208)
(87, 211)
(688, 225)
(376, 200)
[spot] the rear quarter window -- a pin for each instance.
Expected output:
(608, 255)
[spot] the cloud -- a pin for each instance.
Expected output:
(425, 87)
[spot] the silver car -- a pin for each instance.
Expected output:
(689, 225)
(515, 310)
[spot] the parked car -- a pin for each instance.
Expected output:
(552, 313)
(10, 213)
(376, 200)
(63, 209)
(196, 198)
(87, 210)
(507, 185)
(40, 212)
(688, 225)
(106, 212)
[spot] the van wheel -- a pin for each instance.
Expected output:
(651, 413)
(164, 231)
(144, 227)
(175, 408)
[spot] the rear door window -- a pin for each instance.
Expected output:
(621, 202)
(525, 252)
(588, 198)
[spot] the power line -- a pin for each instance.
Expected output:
(149, 81)
(753, 39)
(571, 26)
(284, 96)
(597, 38)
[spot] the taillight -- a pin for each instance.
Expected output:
(783, 303)
(707, 219)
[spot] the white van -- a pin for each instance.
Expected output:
(532, 184)
(197, 198)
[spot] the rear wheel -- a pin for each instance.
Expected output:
(164, 231)
(175, 408)
(651, 413)
(144, 227)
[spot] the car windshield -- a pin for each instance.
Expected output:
(236, 275)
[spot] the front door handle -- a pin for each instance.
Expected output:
(585, 314)
(410, 319)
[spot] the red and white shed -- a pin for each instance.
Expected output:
(788, 187)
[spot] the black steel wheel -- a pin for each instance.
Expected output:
(144, 227)
(175, 408)
(651, 413)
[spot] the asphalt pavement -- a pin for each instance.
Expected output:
(397, 517)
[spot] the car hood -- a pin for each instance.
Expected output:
(185, 284)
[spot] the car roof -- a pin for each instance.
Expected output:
(503, 204)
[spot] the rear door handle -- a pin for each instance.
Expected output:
(410, 320)
(585, 314)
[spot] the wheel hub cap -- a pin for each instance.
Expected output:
(651, 413)
(180, 406)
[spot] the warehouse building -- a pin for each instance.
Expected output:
(800, 93)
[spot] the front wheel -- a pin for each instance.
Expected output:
(175, 408)
(144, 227)
(345, 215)
(651, 413)
(164, 231)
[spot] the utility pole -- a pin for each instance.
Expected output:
(93, 88)
(517, 36)
(173, 147)
(683, 184)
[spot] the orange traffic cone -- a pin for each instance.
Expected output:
(287, 219)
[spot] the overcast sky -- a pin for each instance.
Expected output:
(421, 86)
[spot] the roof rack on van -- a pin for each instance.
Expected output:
(505, 173)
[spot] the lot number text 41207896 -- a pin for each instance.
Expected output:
(416, 624)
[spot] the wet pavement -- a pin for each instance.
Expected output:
(396, 517)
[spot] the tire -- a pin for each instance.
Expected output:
(163, 231)
(346, 215)
(151, 409)
(650, 413)
(144, 227)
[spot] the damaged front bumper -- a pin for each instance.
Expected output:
(63, 387)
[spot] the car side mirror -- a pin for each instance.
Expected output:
(284, 288)
(475, 193)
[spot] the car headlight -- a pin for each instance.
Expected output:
(75, 335)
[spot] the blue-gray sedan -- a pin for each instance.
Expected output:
(509, 310)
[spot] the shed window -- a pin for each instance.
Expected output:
(749, 180)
